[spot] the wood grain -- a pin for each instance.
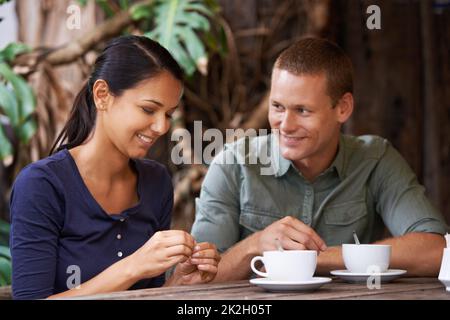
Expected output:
(402, 289)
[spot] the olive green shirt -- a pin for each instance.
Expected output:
(369, 186)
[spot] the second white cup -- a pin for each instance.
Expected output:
(287, 265)
(366, 258)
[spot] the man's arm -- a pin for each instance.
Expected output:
(291, 233)
(419, 253)
(235, 262)
(417, 227)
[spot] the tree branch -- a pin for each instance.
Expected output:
(74, 50)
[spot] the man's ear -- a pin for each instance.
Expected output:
(344, 108)
(101, 94)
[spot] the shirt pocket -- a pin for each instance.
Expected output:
(340, 220)
(345, 214)
(253, 220)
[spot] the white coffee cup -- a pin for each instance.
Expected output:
(287, 265)
(366, 258)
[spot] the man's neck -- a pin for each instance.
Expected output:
(313, 166)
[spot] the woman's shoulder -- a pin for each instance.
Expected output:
(43, 169)
(36, 187)
(152, 165)
(153, 170)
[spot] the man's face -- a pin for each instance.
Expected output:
(302, 111)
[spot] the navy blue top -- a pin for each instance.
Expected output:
(57, 226)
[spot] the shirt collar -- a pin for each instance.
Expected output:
(339, 161)
(282, 165)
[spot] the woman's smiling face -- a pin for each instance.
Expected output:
(133, 121)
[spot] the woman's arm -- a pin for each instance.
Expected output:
(36, 222)
(162, 251)
(118, 277)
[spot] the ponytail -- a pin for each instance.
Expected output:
(81, 121)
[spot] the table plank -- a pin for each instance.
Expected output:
(405, 288)
(5, 293)
(179, 290)
(430, 294)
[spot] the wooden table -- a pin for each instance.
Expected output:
(5, 293)
(401, 289)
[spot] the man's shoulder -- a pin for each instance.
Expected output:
(365, 146)
(247, 150)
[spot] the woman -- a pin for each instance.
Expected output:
(94, 217)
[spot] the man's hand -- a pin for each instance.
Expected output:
(292, 234)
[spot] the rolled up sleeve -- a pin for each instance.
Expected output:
(217, 208)
(401, 200)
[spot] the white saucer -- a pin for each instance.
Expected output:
(272, 285)
(385, 277)
(446, 283)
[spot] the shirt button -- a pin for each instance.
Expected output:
(119, 236)
(119, 254)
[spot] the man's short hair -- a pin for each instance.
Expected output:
(311, 56)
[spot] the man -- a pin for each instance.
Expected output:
(326, 184)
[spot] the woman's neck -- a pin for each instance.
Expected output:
(100, 160)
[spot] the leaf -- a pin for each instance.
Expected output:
(195, 21)
(82, 2)
(124, 4)
(217, 43)
(193, 45)
(5, 146)
(18, 102)
(5, 271)
(9, 104)
(3, 281)
(26, 130)
(141, 11)
(5, 228)
(177, 23)
(5, 252)
(213, 5)
(12, 50)
(183, 59)
(106, 8)
(22, 91)
(4, 233)
(200, 8)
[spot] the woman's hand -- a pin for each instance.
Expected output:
(164, 250)
(201, 267)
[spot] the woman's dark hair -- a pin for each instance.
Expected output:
(124, 62)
